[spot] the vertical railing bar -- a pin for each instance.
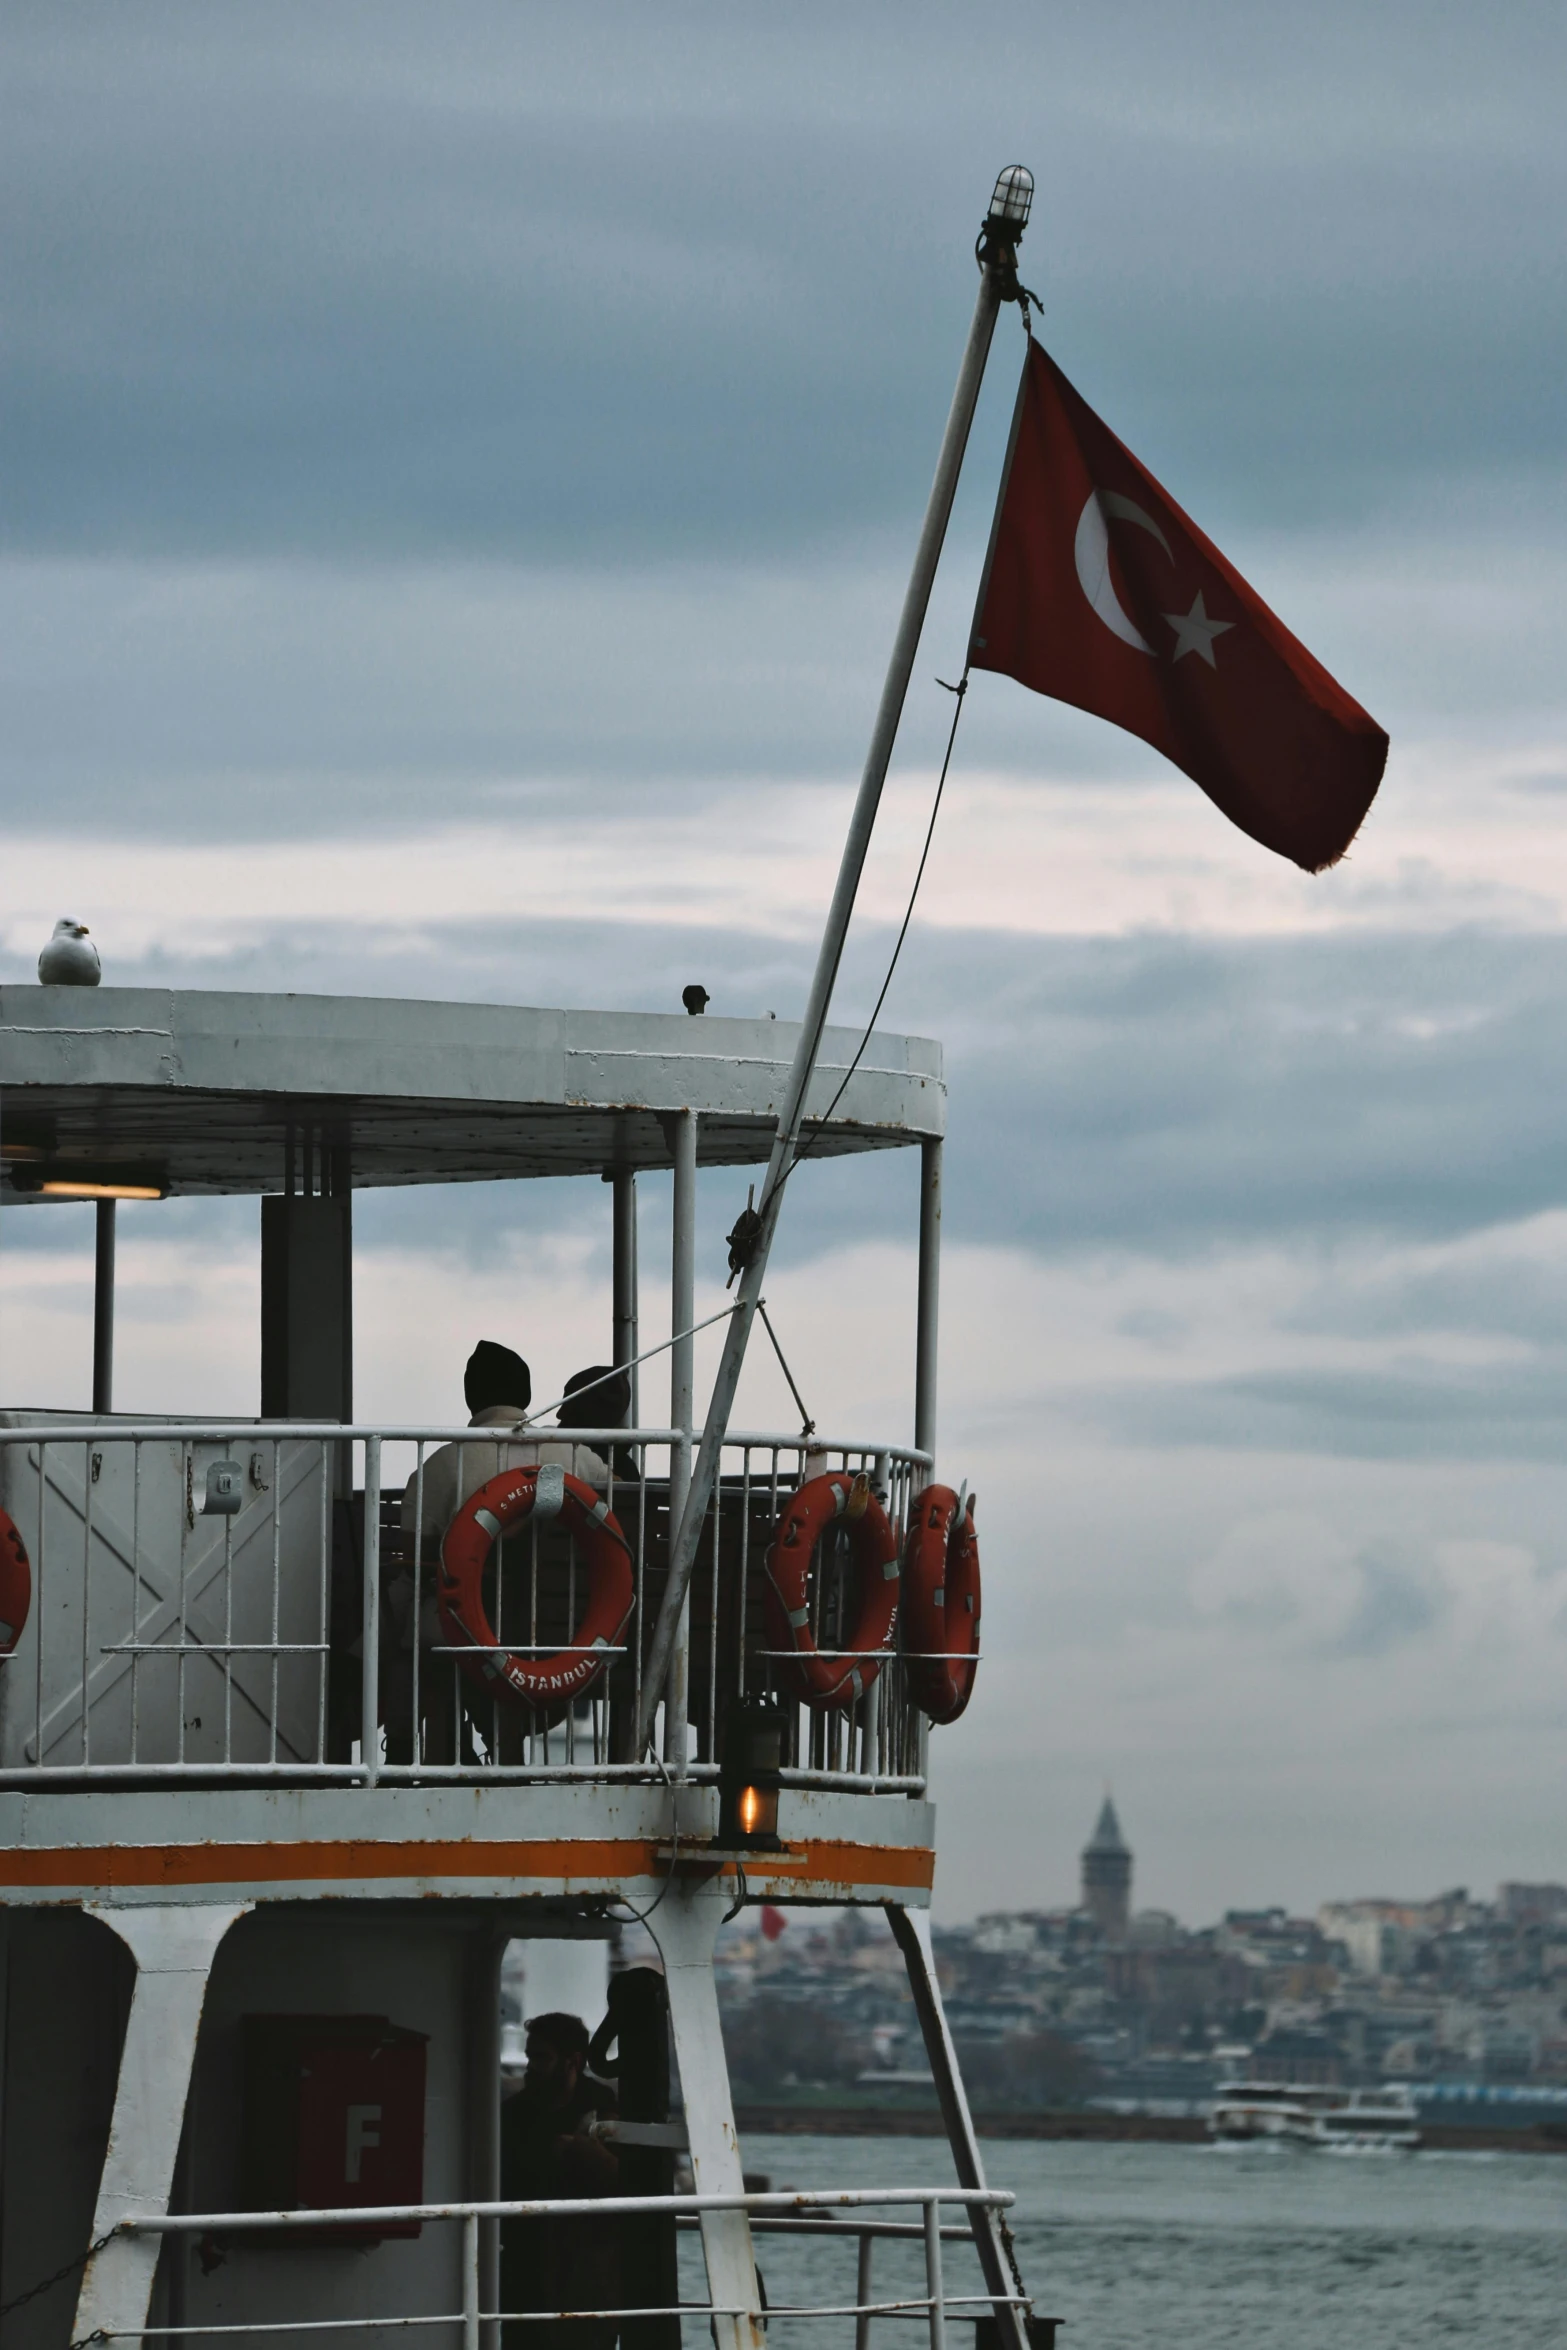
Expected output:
(42, 1610)
(532, 1719)
(187, 1506)
(86, 1597)
(135, 1597)
(641, 1570)
(821, 1727)
(571, 1623)
(452, 1670)
(416, 1752)
(741, 1610)
(862, 2292)
(470, 2281)
(370, 1673)
(710, 1753)
(325, 1553)
(228, 1638)
(792, 1713)
(276, 1700)
(938, 2312)
(323, 1662)
(535, 1727)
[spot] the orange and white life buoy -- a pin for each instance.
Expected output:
(548, 1684)
(16, 1585)
(825, 1681)
(940, 1627)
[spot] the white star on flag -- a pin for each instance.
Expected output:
(1195, 632)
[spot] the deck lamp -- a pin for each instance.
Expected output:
(42, 1182)
(748, 1778)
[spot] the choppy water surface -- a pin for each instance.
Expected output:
(1153, 2247)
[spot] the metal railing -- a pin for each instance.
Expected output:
(785, 2213)
(256, 1598)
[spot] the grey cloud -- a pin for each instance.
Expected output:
(1419, 1410)
(571, 284)
(1505, 1292)
(1173, 1095)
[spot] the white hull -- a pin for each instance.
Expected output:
(1335, 2120)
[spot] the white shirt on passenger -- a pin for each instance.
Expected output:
(455, 1472)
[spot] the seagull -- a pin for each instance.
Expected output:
(695, 998)
(70, 959)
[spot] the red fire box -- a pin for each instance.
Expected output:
(333, 2116)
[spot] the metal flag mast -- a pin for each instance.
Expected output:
(997, 255)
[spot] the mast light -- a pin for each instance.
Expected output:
(1013, 199)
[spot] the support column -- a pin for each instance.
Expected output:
(911, 1928)
(682, 1408)
(929, 1304)
(307, 1318)
(685, 1926)
(174, 1949)
(103, 1311)
(624, 1216)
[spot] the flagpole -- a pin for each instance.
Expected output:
(997, 253)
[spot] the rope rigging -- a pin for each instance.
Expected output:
(748, 1225)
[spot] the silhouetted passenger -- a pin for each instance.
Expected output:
(600, 1397)
(549, 2153)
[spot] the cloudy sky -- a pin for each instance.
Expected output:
(459, 470)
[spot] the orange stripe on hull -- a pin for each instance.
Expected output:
(569, 1859)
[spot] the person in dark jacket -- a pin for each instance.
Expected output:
(549, 2152)
(600, 1397)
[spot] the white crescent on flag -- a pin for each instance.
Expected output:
(1091, 552)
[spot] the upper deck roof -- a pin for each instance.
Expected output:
(208, 1089)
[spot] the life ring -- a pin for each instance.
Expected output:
(16, 1585)
(940, 1626)
(837, 1680)
(547, 1684)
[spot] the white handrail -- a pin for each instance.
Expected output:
(360, 2215)
(780, 2208)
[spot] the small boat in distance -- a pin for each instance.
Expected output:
(1360, 2121)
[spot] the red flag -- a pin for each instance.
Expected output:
(1100, 591)
(773, 1921)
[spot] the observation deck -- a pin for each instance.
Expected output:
(187, 1702)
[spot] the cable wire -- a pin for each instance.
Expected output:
(804, 1151)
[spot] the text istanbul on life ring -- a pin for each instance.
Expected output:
(546, 1684)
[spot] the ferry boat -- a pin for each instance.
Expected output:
(1360, 2121)
(261, 1854)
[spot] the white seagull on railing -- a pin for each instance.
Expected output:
(70, 959)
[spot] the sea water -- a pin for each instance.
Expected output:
(1150, 2247)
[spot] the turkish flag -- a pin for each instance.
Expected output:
(1100, 591)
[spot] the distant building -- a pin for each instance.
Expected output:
(1107, 1876)
(1302, 2056)
(1533, 1905)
